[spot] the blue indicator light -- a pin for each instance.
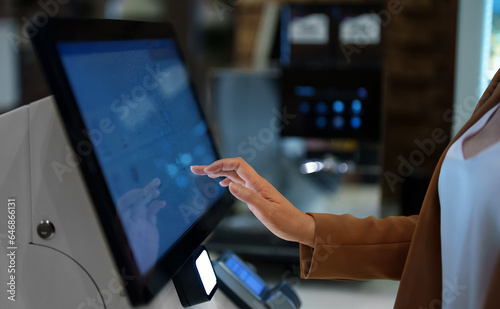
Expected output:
(356, 106)
(338, 106)
(362, 93)
(305, 91)
(355, 122)
(321, 108)
(338, 122)
(321, 122)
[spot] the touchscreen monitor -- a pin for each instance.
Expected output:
(126, 99)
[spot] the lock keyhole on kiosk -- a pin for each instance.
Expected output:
(45, 229)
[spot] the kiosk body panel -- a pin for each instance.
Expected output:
(74, 267)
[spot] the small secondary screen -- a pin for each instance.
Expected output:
(146, 130)
(253, 283)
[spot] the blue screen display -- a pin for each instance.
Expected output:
(250, 280)
(146, 130)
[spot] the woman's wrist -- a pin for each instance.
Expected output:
(308, 228)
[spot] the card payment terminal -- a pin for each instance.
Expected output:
(248, 290)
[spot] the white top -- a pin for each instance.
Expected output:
(469, 192)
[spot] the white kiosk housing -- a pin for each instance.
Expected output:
(53, 253)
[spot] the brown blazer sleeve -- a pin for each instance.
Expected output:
(349, 248)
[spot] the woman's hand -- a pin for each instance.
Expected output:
(266, 203)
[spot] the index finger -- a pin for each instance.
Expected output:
(240, 166)
(199, 169)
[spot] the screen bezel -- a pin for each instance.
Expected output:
(141, 289)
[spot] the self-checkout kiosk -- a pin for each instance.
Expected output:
(99, 206)
(58, 257)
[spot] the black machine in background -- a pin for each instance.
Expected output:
(333, 103)
(331, 63)
(331, 81)
(330, 35)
